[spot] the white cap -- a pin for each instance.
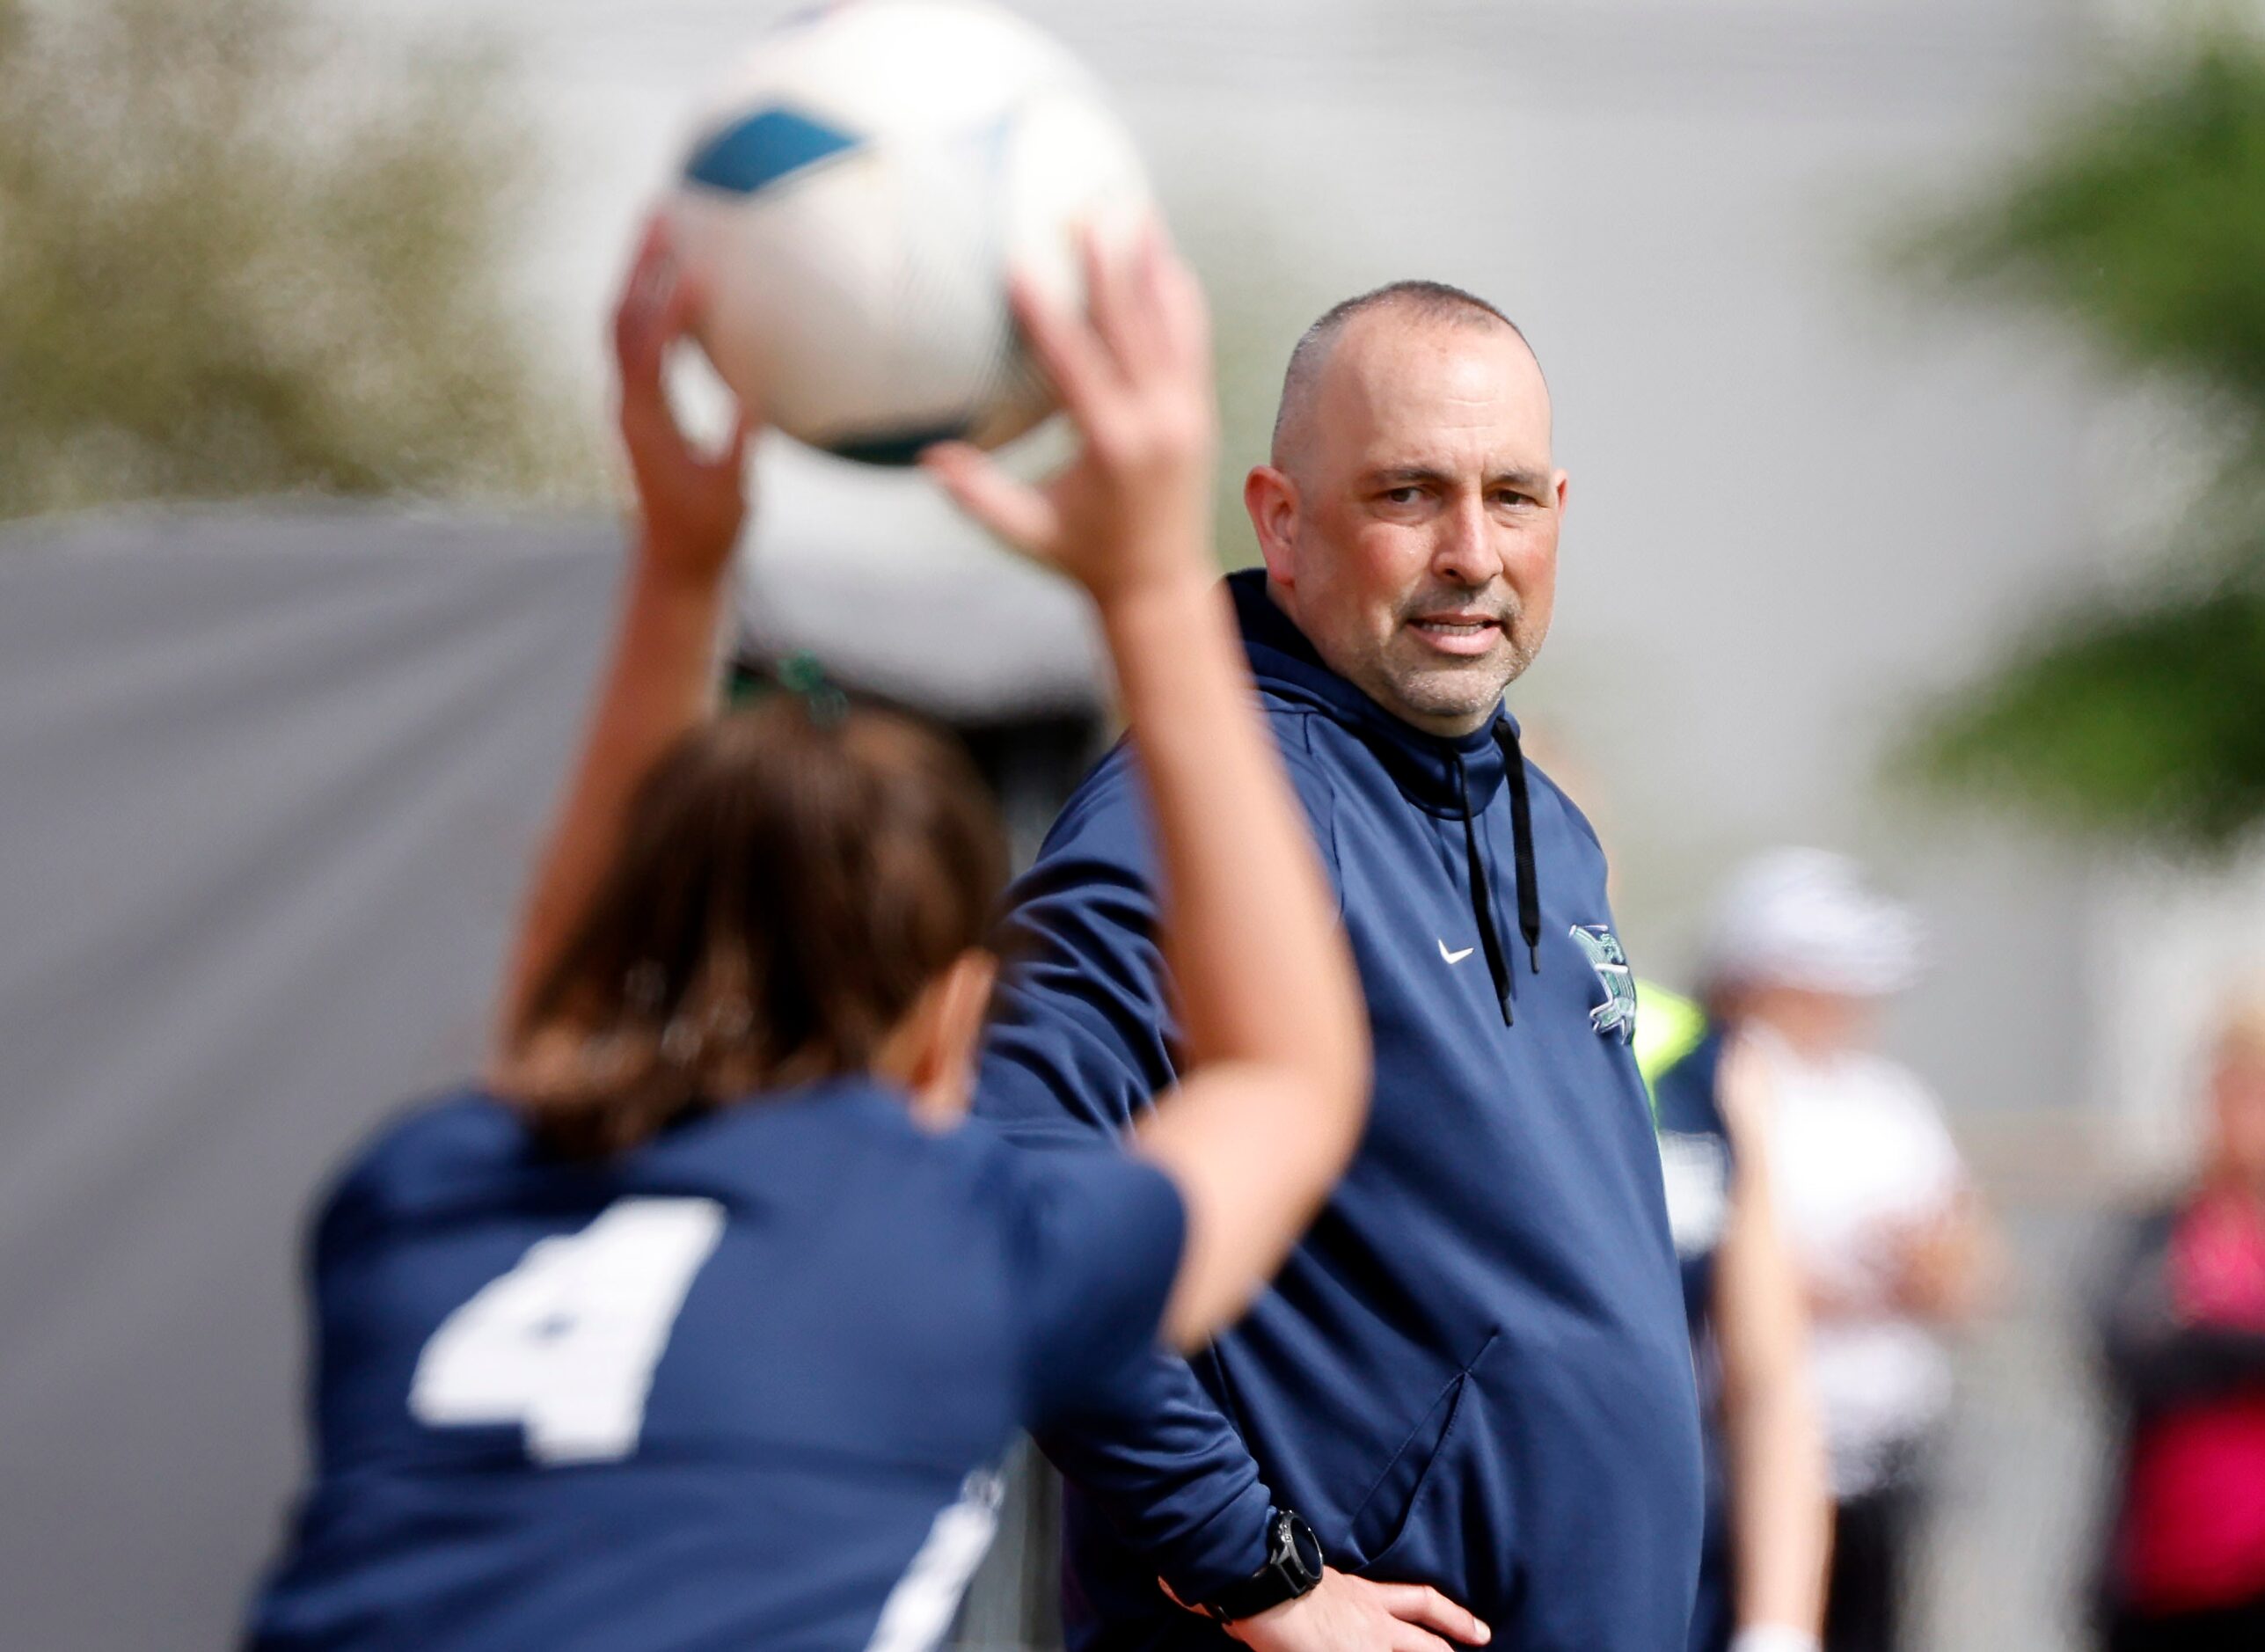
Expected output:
(1806, 917)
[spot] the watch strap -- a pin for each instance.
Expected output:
(1285, 1577)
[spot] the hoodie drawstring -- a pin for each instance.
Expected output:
(1482, 902)
(1514, 768)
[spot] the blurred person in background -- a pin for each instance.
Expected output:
(1884, 1226)
(1769, 1518)
(2181, 1320)
(704, 1319)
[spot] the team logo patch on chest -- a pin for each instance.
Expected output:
(1616, 1016)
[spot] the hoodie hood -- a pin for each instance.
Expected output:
(1453, 776)
(1424, 765)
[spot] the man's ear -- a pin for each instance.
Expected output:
(1271, 499)
(943, 1033)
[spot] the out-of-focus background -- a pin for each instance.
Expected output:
(1909, 365)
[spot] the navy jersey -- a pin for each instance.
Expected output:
(742, 1386)
(1696, 1161)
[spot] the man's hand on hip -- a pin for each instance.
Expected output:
(1344, 1613)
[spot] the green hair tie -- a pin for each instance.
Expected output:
(800, 675)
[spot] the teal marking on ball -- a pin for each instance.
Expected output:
(754, 154)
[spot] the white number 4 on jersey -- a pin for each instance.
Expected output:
(565, 1344)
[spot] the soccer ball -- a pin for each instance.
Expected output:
(854, 199)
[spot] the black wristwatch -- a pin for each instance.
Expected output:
(1293, 1567)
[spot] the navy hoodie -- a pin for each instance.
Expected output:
(1473, 1372)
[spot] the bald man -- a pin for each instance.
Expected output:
(1464, 1412)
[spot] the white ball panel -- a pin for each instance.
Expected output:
(917, 67)
(1071, 162)
(897, 67)
(788, 283)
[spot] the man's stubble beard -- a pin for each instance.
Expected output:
(1468, 690)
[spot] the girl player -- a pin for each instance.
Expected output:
(702, 1320)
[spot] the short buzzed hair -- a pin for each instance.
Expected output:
(1422, 300)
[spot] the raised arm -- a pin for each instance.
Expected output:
(1780, 1513)
(1275, 1045)
(661, 679)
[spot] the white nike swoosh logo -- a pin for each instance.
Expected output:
(1453, 957)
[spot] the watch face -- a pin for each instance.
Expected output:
(1305, 1548)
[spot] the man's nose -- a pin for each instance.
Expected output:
(1465, 552)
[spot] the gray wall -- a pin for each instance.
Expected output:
(267, 788)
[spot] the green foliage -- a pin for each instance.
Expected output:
(232, 265)
(2145, 723)
(2140, 714)
(2144, 221)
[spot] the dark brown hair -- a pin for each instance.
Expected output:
(785, 887)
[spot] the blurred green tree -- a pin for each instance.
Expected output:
(234, 261)
(2139, 712)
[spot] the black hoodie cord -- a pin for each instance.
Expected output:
(1482, 904)
(1514, 760)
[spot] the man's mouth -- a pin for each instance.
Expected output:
(1467, 634)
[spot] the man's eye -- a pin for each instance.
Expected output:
(1514, 500)
(1402, 495)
